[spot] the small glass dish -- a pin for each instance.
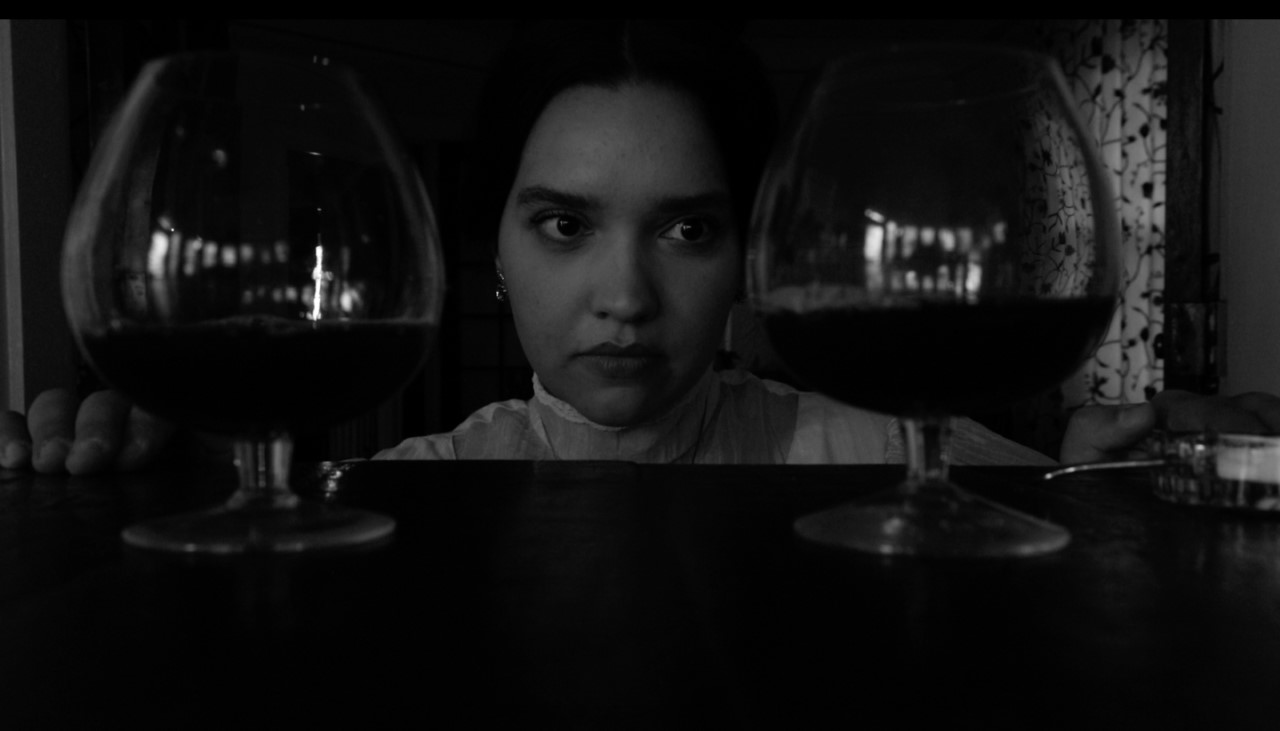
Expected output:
(1236, 471)
(1240, 471)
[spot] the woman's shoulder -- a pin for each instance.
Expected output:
(501, 418)
(826, 431)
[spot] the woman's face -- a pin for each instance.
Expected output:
(619, 250)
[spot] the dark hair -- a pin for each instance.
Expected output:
(548, 57)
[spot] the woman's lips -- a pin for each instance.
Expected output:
(621, 362)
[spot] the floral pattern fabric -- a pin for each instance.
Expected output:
(1117, 70)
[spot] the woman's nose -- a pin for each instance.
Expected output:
(624, 283)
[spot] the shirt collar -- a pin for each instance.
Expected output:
(670, 437)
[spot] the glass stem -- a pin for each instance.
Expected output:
(927, 443)
(263, 465)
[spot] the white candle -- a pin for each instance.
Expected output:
(1248, 458)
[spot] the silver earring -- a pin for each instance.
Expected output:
(500, 291)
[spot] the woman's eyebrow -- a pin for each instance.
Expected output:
(542, 195)
(534, 195)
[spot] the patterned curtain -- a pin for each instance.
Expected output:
(1118, 69)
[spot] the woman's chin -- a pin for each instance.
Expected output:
(616, 415)
(620, 407)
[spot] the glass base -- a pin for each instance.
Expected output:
(307, 526)
(934, 520)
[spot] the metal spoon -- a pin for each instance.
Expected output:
(1123, 464)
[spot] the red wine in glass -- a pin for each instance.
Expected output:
(995, 353)
(259, 375)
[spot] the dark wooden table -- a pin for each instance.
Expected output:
(598, 595)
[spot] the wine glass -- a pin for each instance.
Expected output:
(252, 254)
(935, 235)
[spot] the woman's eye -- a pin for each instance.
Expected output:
(690, 230)
(561, 227)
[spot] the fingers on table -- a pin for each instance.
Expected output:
(51, 422)
(1105, 432)
(104, 432)
(146, 436)
(15, 441)
(100, 433)
(1250, 413)
(1264, 406)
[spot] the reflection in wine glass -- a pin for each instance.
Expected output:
(939, 213)
(253, 254)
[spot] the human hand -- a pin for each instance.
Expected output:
(104, 432)
(1100, 433)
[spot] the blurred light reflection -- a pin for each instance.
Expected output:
(321, 278)
(182, 275)
(903, 257)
